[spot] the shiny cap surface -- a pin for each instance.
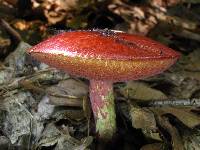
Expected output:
(105, 55)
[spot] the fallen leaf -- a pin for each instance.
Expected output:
(68, 93)
(17, 59)
(140, 91)
(143, 118)
(52, 136)
(17, 120)
(154, 146)
(183, 114)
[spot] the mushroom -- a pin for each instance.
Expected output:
(104, 57)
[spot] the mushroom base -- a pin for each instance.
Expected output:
(102, 102)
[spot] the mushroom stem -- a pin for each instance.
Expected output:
(102, 102)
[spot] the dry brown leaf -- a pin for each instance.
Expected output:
(176, 139)
(164, 3)
(183, 114)
(154, 146)
(192, 61)
(56, 10)
(68, 93)
(140, 91)
(143, 118)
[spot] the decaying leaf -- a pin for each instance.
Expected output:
(18, 119)
(6, 75)
(191, 62)
(192, 140)
(154, 146)
(141, 22)
(4, 142)
(57, 117)
(68, 93)
(17, 59)
(161, 3)
(44, 110)
(177, 143)
(53, 136)
(140, 91)
(143, 118)
(184, 114)
(55, 10)
(186, 88)
(74, 115)
(182, 137)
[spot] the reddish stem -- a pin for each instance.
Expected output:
(102, 102)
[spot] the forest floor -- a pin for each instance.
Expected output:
(44, 108)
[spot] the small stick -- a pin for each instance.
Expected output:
(163, 103)
(172, 102)
(15, 35)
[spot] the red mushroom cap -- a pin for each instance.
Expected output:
(105, 55)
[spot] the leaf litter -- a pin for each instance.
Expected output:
(42, 107)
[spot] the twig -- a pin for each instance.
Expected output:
(163, 103)
(173, 103)
(15, 35)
